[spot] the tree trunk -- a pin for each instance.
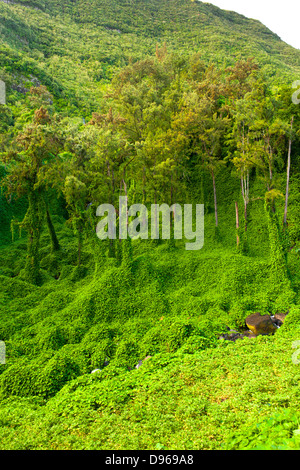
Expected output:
(245, 184)
(215, 198)
(79, 234)
(144, 185)
(156, 223)
(270, 166)
(237, 224)
(288, 177)
(33, 224)
(53, 236)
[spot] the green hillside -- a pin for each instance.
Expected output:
(75, 47)
(141, 343)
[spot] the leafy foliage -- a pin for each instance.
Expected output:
(115, 344)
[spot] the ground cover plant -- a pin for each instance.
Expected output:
(123, 343)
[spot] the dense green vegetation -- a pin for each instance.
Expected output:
(162, 102)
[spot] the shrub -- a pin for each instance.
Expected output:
(176, 334)
(127, 354)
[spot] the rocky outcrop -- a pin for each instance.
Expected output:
(261, 324)
(233, 335)
(279, 318)
(258, 325)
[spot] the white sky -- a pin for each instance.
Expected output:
(280, 16)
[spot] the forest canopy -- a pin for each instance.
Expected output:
(138, 342)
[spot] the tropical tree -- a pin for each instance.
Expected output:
(38, 143)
